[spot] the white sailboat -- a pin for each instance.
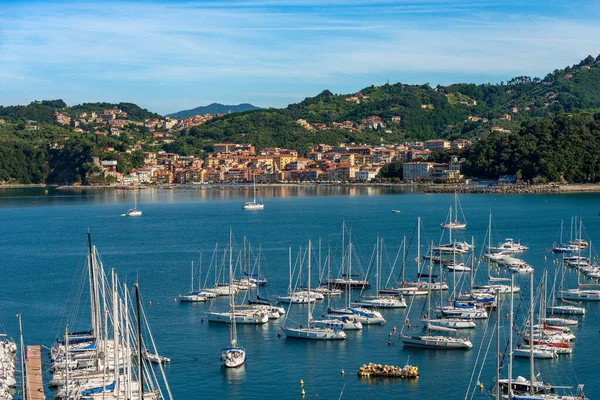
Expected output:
(380, 300)
(430, 341)
(134, 212)
(532, 389)
(453, 222)
(312, 332)
(364, 315)
(233, 356)
(246, 316)
(195, 296)
(253, 205)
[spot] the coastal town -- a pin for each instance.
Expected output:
(243, 162)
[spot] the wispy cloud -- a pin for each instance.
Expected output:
(234, 50)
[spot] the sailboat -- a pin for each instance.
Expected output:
(195, 296)
(532, 389)
(453, 221)
(583, 292)
(312, 332)
(233, 356)
(448, 322)
(430, 341)
(418, 287)
(380, 300)
(492, 285)
(364, 315)
(253, 205)
(246, 316)
(134, 212)
(98, 363)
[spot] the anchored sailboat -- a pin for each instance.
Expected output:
(312, 332)
(233, 356)
(253, 205)
(134, 212)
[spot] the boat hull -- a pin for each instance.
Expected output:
(240, 318)
(437, 342)
(314, 334)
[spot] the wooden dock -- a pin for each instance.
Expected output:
(35, 384)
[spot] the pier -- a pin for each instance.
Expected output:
(35, 385)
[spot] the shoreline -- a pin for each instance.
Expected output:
(422, 187)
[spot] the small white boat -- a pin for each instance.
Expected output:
(155, 358)
(194, 297)
(346, 323)
(253, 205)
(233, 357)
(561, 321)
(314, 333)
(566, 310)
(134, 212)
(509, 247)
(380, 301)
(365, 316)
(523, 268)
(325, 291)
(457, 267)
(464, 313)
(250, 317)
(539, 352)
(579, 294)
(437, 342)
(397, 211)
(454, 323)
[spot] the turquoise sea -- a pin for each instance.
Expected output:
(43, 254)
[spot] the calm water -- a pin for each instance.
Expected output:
(43, 250)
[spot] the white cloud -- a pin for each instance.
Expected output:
(137, 48)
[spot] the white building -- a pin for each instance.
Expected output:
(417, 170)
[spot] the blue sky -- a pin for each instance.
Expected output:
(181, 54)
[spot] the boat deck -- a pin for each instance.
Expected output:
(35, 384)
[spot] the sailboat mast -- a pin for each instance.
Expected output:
(455, 207)
(419, 248)
(489, 262)
(67, 350)
(200, 272)
(471, 272)
(498, 394)
(92, 285)
(115, 313)
(377, 266)
(403, 257)
(343, 243)
(22, 359)
(290, 264)
(349, 272)
(308, 284)
(139, 338)
(192, 282)
(510, 335)
(429, 287)
(233, 333)
(531, 340)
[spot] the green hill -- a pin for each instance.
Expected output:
(214, 109)
(549, 124)
(425, 112)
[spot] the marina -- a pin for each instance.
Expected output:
(190, 222)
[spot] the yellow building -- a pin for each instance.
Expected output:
(284, 159)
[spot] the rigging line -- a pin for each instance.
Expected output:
(477, 360)
(394, 264)
(373, 259)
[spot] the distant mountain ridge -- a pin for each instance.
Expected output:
(214, 108)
